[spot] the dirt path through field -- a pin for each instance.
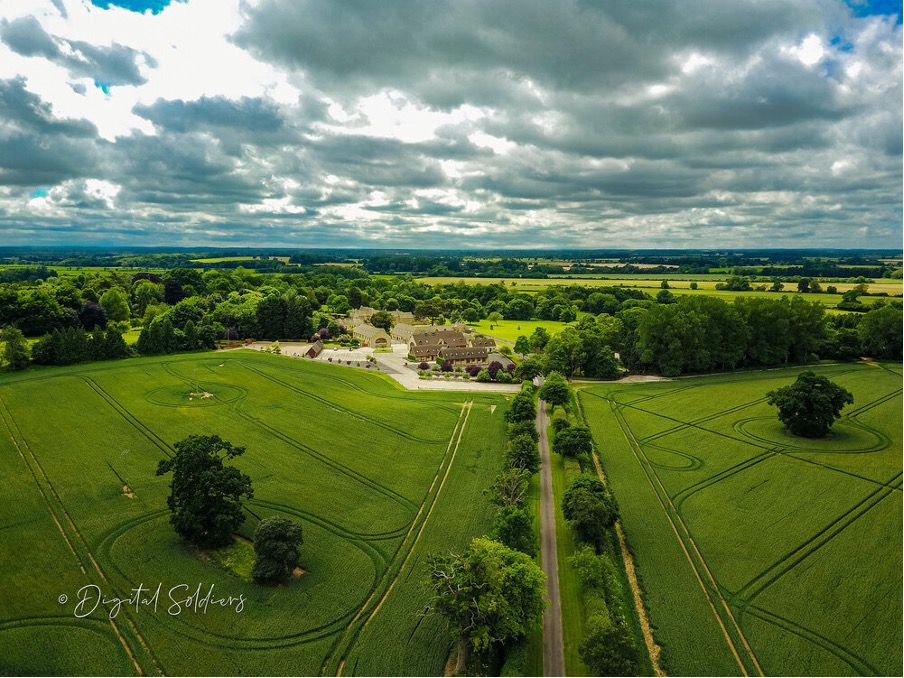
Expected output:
(553, 647)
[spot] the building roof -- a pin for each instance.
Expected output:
(427, 351)
(470, 353)
(316, 347)
(483, 341)
(369, 331)
(500, 358)
(434, 336)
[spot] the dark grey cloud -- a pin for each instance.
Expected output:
(35, 147)
(253, 115)
(25, 36)
(108, 65)
(508, 123)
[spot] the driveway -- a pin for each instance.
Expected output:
(395, 365)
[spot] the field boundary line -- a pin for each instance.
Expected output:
(856, 662)
(350, 635)
(810, 546)
(84, 545)
(653, 649)
(632, 442)
(4, 413)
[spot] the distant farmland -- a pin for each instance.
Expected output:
(377, 477)
(761, 552)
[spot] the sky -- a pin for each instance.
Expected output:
(516, 124)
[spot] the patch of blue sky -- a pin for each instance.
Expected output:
(863, 8)
(39, 193)
(140, 6)
(103, 86)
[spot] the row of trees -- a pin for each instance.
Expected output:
(494, 593)
(608, 647)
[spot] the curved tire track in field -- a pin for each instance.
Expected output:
(334, 406)
(753, 588)
(710, 588)
(148, 433)
(344, 643)
(680, 497)
(792, 442)
(311, 452)
(860, 665)
(78, 538)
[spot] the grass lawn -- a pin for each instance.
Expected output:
(510, 330)
(759, 550)
(378, 478)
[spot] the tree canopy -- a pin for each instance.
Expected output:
(489, 594)
(810, 405)
(590, 508)
(206, 495)
(276, 542)
(555, 390)
(573, 441)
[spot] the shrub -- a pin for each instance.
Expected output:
(423, 367)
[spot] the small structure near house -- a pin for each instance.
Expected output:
(315, 349)
(482, 341)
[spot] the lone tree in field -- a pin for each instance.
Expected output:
(591, 509)
(810, 405)
(276, 542)
(489, 594)
(205, 494)
(555, 390)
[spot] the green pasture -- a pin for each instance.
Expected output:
(378, 477)
(651, 284)
(510, 330)
(220, 260)
(760, 551)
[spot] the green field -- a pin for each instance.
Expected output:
(510, 330)
(378, 477)
(651, 285)
(761, 552)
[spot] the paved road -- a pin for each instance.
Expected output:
(553, 651)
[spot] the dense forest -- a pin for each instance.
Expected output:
(82, 317)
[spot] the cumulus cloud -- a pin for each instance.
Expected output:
(423, 123)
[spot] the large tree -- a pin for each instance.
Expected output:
(15, 348)
(489, 594)
(573, 441)
(810, 405)
(523, 408)
(206, 494)
(522, 453)
(880, 332)
(590, 508)
(555, 390)
(514, 527)
(276, 542)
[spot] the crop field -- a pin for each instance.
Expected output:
(761, 553)
(378, 478)
(651, 285)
